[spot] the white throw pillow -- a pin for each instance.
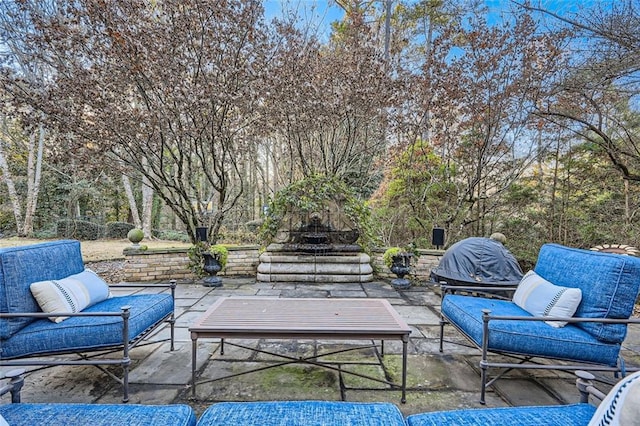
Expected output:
(3, 422)
(71, 294)
(541, 298)
(621, 406)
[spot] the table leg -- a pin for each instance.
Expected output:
(404, 370)
(382, 348)
(194, 351)
(221, 346)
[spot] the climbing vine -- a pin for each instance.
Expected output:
(311, 194)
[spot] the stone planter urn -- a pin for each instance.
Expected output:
(401, 266)
(211, 266)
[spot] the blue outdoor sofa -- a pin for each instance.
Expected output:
(286, 413)
(617, 407)
(622, 402)
(108, 327)
(278, 413)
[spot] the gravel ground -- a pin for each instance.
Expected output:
(110, 270)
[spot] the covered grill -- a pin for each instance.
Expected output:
(478, 261)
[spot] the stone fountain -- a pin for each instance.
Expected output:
(318, 247)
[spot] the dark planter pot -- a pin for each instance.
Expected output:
(401, 266)
(211, 267)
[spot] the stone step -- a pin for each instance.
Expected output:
(318, 278)
(268, 257)
(315, 268)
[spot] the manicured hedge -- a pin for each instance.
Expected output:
(118, 230)
(79, 229)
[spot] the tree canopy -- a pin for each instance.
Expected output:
(431, 112)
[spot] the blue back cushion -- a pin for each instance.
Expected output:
(21, 266)
(609, 284)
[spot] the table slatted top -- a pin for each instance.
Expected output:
(300, 316)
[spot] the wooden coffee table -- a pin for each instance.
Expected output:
(302, 318)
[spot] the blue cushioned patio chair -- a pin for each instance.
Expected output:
(590, 341)
(100, 335)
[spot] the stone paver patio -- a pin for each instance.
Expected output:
(435, 381)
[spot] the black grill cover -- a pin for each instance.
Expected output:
(478, 261)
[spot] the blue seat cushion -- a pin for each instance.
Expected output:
(301, 413)
(526, 337)
(565, 415)
(97, 414)
(21, 266)
(609, 284)
(89, 333)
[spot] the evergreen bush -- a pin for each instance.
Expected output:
(171, 235)
(7, 221)
(118, 230)
(79, 229)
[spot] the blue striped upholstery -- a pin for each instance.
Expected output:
(565, 415)
(301, 413)
(97, 415)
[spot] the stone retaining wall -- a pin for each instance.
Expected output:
(172, 263)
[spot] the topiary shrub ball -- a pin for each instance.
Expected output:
(135, 235)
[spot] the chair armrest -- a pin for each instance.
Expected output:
(171, 284)
(15, 384)
(453, 288)
(67, 314)
(486, 317)
(489, 291)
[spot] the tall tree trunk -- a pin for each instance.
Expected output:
(387, 30)
(147, 208)
(133, 206)
(554, 189)
(34, 174)
(147, 204)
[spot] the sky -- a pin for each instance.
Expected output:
(323, 12)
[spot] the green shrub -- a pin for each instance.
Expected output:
(7, 221)
(389, 254)
(242, 235)
(79, 229)
(135, 235)
(218, 251)
(312, 194)
(221, 253)
(45, 234)
(118, 230)
(171, 235)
